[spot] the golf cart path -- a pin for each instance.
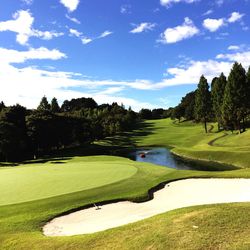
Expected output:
(177, 194)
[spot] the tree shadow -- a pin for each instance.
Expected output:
(47, 159)
(118, 145)
(8, 164)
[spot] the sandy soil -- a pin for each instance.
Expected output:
(178, 194)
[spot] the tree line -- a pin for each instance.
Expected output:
(28, 133)
(227, 103)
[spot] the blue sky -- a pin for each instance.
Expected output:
(144, 54)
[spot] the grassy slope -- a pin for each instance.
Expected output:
(219, 227)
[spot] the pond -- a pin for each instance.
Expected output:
(163, 157)
(160, 156)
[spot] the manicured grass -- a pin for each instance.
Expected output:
(53, 178)
(219, 226)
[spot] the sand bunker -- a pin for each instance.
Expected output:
(177, 194)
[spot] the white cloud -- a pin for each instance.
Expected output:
(112, 90)
(75, 32)
(13, 56)
(219, 2)
(73, 19)
(207, 13)
(179, 33)
(213, 24)
(71, 5)
(78, 34)
(86, 40)
(31, 83)
(167, 3)
(233, 47)
(105, 33)
(28, 2)
(235, 16)
(46, 35)
(190, 74)
(143, 27)
(241, 57)
(22, 25)
(125, 9)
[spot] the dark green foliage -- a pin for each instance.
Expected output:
(217, 92)
(160, 113)
(248, 89)
(236, 96)
(178, 112)
(167, 113)
(13, 136)
(186, 108)
(2, 106)
(31, 133)
(145, 114)
(157, 113)
(203, 102)
(188, 104)
(78, 104)
(44, 105)
(54, 106)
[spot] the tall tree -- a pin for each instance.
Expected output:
(235, 101)
(44, 105)
(54, 106)
(13, 134)
(178, 112)
(2, 106)
(203, 101)
(217, 93)
(188, 103)
(248, 90)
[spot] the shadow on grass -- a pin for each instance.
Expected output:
(8, 164)
(118, 145)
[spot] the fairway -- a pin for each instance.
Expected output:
(39, 181)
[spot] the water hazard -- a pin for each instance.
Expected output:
(161, 156)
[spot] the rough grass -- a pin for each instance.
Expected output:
(203, 227)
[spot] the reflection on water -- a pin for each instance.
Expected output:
(160, 156)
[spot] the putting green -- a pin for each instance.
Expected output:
(39, 181)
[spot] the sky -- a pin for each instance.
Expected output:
(143, 54)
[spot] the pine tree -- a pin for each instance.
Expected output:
(235, 101)
(54, 106)
(44, 105)
(217, 93)
(203, 101)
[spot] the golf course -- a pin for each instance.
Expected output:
(35, 192)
